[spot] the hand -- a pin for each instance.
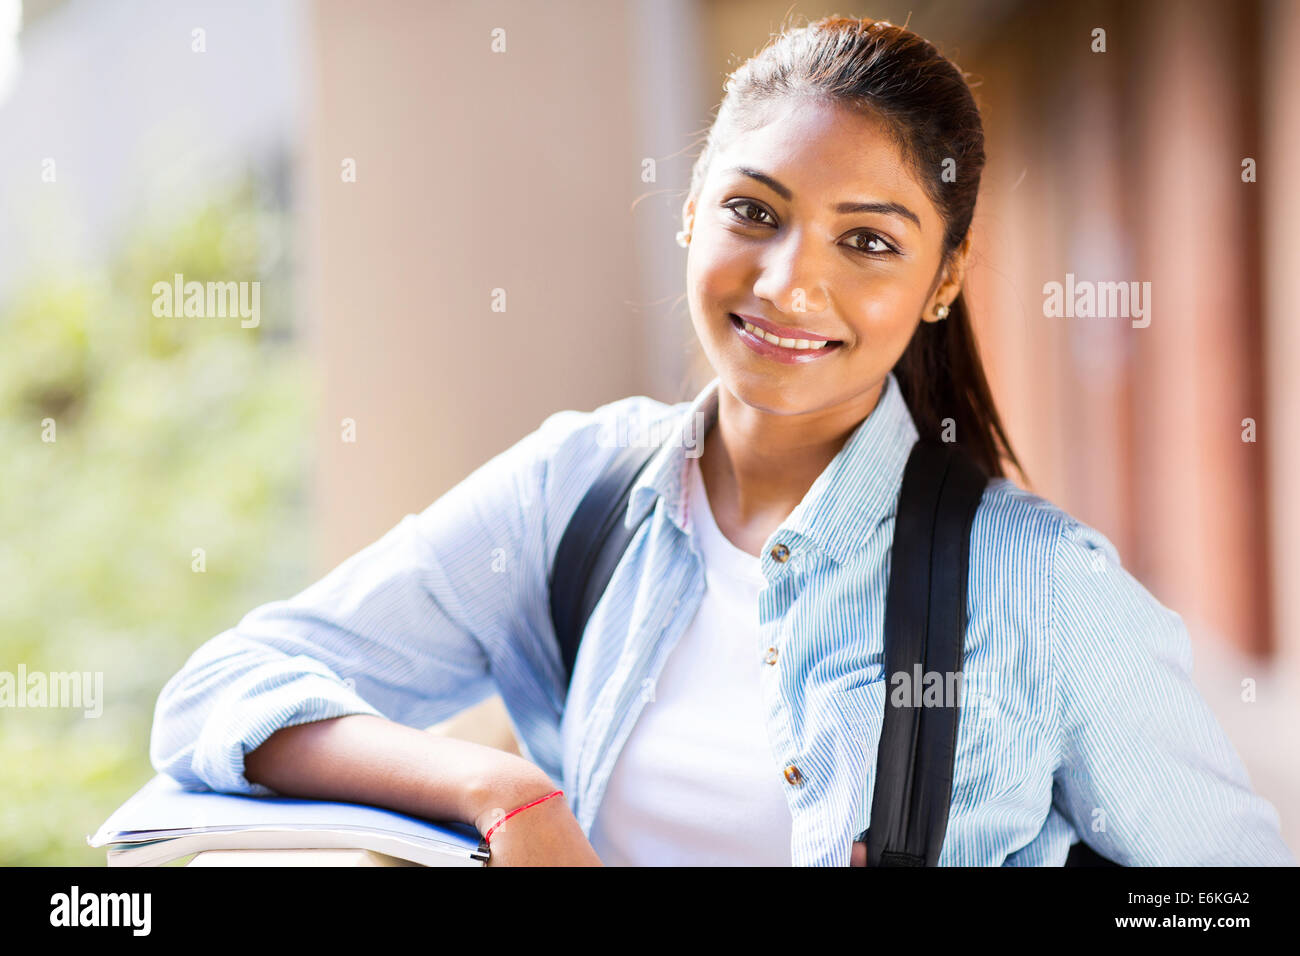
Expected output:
(858, 855)
(547, 834)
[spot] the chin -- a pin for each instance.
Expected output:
(766, 392)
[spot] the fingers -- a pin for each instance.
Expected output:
(858, 856)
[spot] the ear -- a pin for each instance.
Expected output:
(688, 214)
(950, 286)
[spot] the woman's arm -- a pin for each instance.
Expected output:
(366, 759)
(1145, 774)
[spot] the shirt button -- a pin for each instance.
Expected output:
(770, 656)
(780, 553)
(792, 776)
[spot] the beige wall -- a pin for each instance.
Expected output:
(1279, 144)
(475, 171)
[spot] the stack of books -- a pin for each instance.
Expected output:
(164, 822)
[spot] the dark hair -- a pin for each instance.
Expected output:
(925, 102)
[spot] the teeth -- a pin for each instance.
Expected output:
(784, 343)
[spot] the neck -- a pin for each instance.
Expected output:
(757, 466)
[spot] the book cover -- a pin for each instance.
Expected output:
(165, 811)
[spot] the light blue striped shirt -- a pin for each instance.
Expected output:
(1079, 714)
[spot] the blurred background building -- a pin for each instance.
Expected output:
(384, 168)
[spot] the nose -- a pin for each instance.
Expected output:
(791, 272)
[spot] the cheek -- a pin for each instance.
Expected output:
(890, 308)
(715, 277)
(879, 306)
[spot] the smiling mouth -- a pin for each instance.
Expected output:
(787, 351)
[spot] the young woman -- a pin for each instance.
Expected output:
(727, 701)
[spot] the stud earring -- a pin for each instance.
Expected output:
(941, 312)
(683, 238)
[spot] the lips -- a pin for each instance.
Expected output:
(796, 352)
(783, 331)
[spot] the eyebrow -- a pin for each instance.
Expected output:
(844, 208)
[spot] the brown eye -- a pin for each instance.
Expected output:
(745, 204)
(885, 248)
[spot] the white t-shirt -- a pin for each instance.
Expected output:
(696, 783)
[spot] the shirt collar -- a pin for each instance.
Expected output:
(855, 492)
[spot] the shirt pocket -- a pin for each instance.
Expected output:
(860, 740)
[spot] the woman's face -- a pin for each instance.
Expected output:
(776, 242)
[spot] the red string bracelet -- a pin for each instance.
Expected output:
(487, 837)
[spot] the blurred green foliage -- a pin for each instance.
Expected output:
(171, 434)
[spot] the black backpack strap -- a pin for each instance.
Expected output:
(590, 549)
(925, 623)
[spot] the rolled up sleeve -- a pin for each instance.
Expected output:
(402, 629)
(1145, 776)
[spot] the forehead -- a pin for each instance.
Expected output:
(824, 153)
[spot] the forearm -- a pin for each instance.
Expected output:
(361, 758)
